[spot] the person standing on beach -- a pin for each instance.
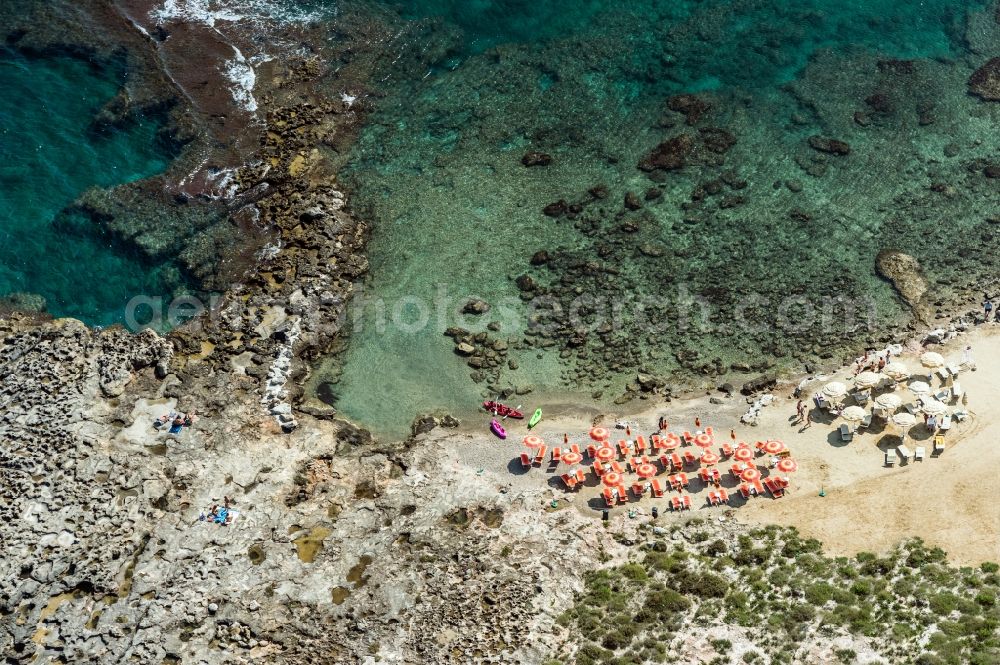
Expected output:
(809, 420)
(987, 308)
(967, 358)
(800, 411)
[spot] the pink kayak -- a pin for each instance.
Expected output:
(498, 429)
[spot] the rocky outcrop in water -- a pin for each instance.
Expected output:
(985, 81)
(906, 276)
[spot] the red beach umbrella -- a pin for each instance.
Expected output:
(773, 447)
(750, 475)
(533, 441)
(605, 454)
(572, 458)
(612, 479)
(600, 434)
(703, 440)
(709, 458)
(787, 465)
(646, 470)
(743, 455)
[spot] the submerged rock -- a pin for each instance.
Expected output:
(476, 306)
(691, 106)
(905, 274)
(828, 145)
(670, 155)
(557, 209)
(985, 81)
(536, 159)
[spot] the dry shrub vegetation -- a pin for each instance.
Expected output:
(910, 606)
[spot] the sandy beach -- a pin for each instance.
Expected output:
(947, 500)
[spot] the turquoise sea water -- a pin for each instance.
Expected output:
(47, 158)
(468, 87)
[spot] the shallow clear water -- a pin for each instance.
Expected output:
(48, 158)
(470, 87)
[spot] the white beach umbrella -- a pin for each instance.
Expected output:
(932, 360)
(904, 420)
(919, 388)
(889, 401)
(854, 414)
(835, 389)
(867, 380)
(932, 407)
(896, 371)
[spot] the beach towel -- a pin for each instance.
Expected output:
(174, 429)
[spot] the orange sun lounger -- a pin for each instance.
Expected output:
(570, 480)
(525, 461)
(540, 456)
(656, 488)
(609, 497)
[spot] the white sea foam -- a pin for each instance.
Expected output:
(243, 78)
(211, 12)
(255, 16)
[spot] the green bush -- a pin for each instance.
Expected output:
(716, 547)
(819, 593)
(667, 602)
(722, 646)
(943, 603)
(990, 567)
(634, 572)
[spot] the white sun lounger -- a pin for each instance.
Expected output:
(845, 433)
(956, 391)
(904, 453)
(945, 424)
(953, 370)
(918, 454)
(890, 457)
(911, 408)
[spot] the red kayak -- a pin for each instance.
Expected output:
(502, 410)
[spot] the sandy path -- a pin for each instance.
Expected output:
(950, 501)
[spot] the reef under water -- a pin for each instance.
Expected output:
(671, 189)
(59, 138)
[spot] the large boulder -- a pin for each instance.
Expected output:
(985, 81)
(670, 155)
(904, 273)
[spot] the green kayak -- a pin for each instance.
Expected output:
(535, 417)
